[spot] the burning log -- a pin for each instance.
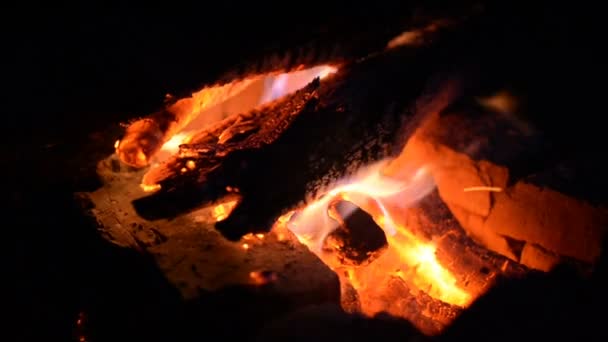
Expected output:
(143, 138)
(292, 148)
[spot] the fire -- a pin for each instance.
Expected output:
(409, 257)
(155, 138)
(424, 270)
(172, 145)
(384, 190)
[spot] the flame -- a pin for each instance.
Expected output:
(385, 190)
(172, 145)
(313, 224)
(424, 270)
(271, 86)
(409, 257)
(157, 137)
(279, 85)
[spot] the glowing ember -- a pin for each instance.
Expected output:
(221, 211)
(262, 277)
(150, 188)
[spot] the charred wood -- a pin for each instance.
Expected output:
(144, 137)
(358, 240)
(315, 136)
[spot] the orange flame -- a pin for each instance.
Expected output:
(424, 270)
(409, 257)
(272, 86)
(146, 143)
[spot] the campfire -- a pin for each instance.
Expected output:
(389, 185)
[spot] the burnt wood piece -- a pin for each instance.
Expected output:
(358, 240)
(208, 148)
(355, 117)
(182, 191)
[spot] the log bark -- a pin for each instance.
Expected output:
(307, 140)
(144, 137)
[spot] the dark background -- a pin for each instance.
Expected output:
(79, 65)
(78, 69)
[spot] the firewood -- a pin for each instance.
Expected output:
(300, 144)
(144, 137)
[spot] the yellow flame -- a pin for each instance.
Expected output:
(429, 275)
(172, 145)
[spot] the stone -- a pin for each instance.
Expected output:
(503, 214)
(535, 257)
(475, 227)
(558, 223)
